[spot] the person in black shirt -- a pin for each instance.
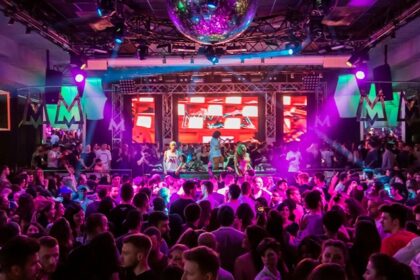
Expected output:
(119, 213)
(189, 194)
(134, 256)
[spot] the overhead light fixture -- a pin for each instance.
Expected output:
(11, 21)
(192, 60)
(360, 57)
(105, 7)
(119, 32)
(28, 30)
(235, 49)
(211, 4)
(184, 48)
(211, 53)
(360, 75)
(164, 60)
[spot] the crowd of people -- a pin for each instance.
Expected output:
(233, 225)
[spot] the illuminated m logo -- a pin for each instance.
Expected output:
(322, 123)
(69, 115)
(371, 111)
(113, 126)
(34, 113)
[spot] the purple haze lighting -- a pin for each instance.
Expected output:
(360, 75)
(79, 78)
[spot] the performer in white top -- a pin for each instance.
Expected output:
(172, 163)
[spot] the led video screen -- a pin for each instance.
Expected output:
(143, 112)
(236, 117)
(294, 117)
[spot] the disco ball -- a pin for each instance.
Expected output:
(211, 21)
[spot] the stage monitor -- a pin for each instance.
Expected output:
(294, 117)
(236, 117)
(143, 112)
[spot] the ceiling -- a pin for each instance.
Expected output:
(345, 25)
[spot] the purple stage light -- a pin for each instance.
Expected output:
(360, 75)
(79, 78)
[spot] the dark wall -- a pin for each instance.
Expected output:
(17, 145)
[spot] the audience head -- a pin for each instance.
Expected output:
(49, 253)
(393, 217)
(234, 191)
(189, 188)
(332, 221)
(192, 213)
(19, 258)
(313, 200)
(225, 216)
(294, 194)
(133, 220)
(127, 193)
(328, 271)
(160, 220)
(135, 250)
(175, 255)
(96, 223)
(207, 187)
(334, 251)
(270, 251)
(200, 263)
(384, 267)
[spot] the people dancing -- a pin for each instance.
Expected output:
(242, 160)
(215, 155)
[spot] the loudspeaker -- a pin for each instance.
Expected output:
(4, 111)
(53, 82)
(383, 74)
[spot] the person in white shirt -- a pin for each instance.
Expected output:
(53, 156)
(293, 157)
(172, 163)
(105, 156)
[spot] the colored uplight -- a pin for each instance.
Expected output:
(118, 40)
(360, 75)
(99, 12)
(349, 64)
(290, 51)
(79, 78)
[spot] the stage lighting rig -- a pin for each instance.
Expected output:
(212, 54)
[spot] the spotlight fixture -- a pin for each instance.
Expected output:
(360, 57)
(11, 21)
(360, 75)
(192, 60)
(28, 30)
(290, 51)
(164, 60)
(119, 32)
(105, 7)
(79, 78)
(211, 54)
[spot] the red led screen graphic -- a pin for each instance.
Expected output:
(143, 112)
(294, 117)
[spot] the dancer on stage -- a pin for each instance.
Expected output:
(215, 155)
(242, 160)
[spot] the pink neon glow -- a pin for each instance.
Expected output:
(79, 78)
(360, 75)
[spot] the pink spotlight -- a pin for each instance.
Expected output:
(79, 78)
(360, 75)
